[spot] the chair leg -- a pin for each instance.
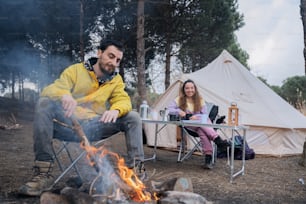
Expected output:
(185, 155)
(55, 153)
(73, 162)
(181, 151)
(197, 146)
(72, 165)
(214, 155)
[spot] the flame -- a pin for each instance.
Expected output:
(138, 192)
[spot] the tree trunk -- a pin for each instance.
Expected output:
(303, 15)
(82, 54)
(141, 85)
(167, 68)
(168, 47)
(302, 160)
(13, 84)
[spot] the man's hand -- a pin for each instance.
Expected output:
(69, 105)
(109, 116)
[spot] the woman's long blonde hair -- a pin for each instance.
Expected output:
(196, 98)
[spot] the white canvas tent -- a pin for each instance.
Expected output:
(276, 128)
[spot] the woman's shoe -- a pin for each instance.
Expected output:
(208, 162)
(221, 144)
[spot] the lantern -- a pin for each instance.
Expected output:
(233, 114)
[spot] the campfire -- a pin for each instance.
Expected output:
(119, 183)
(116, 183)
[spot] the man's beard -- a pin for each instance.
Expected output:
(104, 71)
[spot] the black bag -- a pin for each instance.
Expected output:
(249, 152)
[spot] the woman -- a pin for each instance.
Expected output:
(190, 104)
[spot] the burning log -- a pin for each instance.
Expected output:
(84, 142)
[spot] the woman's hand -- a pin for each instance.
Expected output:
(195, 117)
(182, 114)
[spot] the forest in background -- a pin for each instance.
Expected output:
(40, 38)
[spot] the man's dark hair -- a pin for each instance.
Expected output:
(106, 43)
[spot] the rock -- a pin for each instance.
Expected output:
(177, 197)
(182, 184)
(76, 197)
(52, 198)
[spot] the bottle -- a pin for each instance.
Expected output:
(144, 110)
(233, 114)
(164, 114)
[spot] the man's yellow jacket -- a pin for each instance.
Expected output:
(93, 99)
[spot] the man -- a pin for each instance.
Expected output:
(94, 93)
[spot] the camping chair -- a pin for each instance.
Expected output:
(193, 137)
(62, 149)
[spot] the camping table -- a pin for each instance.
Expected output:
(233, 129)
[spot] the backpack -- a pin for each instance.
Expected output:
(249, 152)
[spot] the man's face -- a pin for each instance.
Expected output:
(108, 60)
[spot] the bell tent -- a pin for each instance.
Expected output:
(275, 127)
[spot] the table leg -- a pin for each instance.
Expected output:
(241, 171)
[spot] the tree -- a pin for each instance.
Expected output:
(199, 30)
(293, 91)
(303, 15)
(141, 52)
(210, 31)
(59, 31)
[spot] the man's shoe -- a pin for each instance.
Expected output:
(140, 171)
(208, 162)
(41, 181)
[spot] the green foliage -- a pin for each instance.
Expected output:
(277, 90)
(293, 90)
(47, 36)
(210, 30)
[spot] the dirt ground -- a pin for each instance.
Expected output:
(266, 179)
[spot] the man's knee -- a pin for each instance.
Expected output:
(43, 103)
(133, 116)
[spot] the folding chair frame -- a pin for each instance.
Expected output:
(184, 153)
(73, 161)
